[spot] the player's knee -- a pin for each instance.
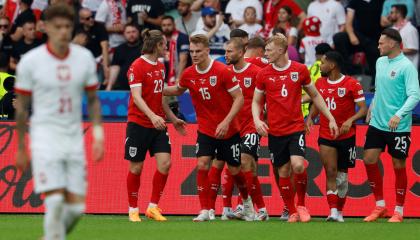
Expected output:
(202, 165)
(331, 172)
(165, 166)
(298, 168)
(135, 168)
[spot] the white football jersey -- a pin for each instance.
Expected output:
(57, 86)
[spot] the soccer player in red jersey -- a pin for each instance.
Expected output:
(342, 94)
(246, 74)
(255, 52)
(217, 99)
(281, 82)
(146, 128)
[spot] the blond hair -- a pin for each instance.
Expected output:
(279, 40)
(200, 39)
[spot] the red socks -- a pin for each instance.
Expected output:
(340, 203)
(159, 182)
(241, 184)
(254, 189)
(133, 185)
(227, 189)
(214, 183)
(400, 185)
(286, 190)
(375, 180)
(301, 181)
(203, 188)
(332, 199)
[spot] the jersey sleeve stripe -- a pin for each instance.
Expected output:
(23, 92)
(92, 87)
(359, 99)
(135, 85)
(258, 90)
(233, 88)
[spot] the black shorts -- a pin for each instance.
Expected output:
(398, 142)
(282, 147)
(346, 151)
(140, 139)
(250, 144)
(227, 150)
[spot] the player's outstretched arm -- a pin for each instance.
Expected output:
(179, 124)
(94, 108)
(22, 106)
(238, 102)
(157, 121)
(363, 109)
(260, 125)
(320, 104)
(313, 112)
(173, 90)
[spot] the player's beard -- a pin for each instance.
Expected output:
(233, 61)
(324, 74)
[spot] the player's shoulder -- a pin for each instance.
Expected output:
(34, 54)
(382, 59)
(298, 66)
(254, 68)
(350, 80)
(321, 81)
(189, 70)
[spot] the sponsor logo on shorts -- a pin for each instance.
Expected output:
(132, 151)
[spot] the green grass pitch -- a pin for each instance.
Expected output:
(116, 227)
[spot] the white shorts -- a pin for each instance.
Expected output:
(58, 165)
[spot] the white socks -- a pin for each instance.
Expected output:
(342, 184)
(54, 228)
(72, 213)
(380, 203)
(399, 209)
(152, 205)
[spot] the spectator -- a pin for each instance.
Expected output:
(188, 20)
(97, 39)
(124, 55)
(26, 15)
(178, 50)
(332, 15)
(8, 102)
(112, 13)
(311, 28)
(284, 23)
(237, 10)
(409, 34)
(386, 10)
(4, 69)
(198, 5)
(27, 43)
(250, 22)
(92, 5)
(6, 43)
(362, 33)
(217, 32)
(145, 13)
(272, 7)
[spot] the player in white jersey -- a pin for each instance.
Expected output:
(54, 78)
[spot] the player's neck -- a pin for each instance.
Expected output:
(151, 57)
(334, 76)
(395, 53)
(57, 50)
(282, 62)
(240, 64)
(204, 64)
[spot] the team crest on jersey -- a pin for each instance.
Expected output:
(294, 76)
(132, 151)
(213, 81)
(393, 74)
(247, 82)
(63, 73)
(341, 92)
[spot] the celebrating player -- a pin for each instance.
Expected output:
(246, 74)
(397, 93)
(146, 128)
(342, 94)
(217, 99)
(282, 82)
(54, 77)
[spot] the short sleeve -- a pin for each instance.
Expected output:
(306, 77)
(102, 33)
(182, 81)
(260, 85)
(91, 78)
(117, 58)
(357, 92)
(229, 81)
(183, 43)
(134, 76)
(411, 41)
(158, 8)
(293, 32)
(318, 85)
(341, 14)
(101, 14)
(385, 9)
(24, 81)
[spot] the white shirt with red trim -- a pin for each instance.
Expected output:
(57, 86)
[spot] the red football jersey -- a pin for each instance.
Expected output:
(259, 61)
(209, 90)
(150, 77)
(283, 92)
(340, 97)
(247, 78)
